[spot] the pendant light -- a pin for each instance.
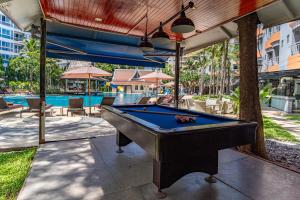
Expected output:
(145, 45)
(182, 24)
(160, 37)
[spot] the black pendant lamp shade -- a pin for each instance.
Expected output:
(160, 37)
(145, 45)
(182, 24)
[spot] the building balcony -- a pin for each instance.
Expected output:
(274, 38)
(295, 48)
(294, 61)
(258, 54)
(273, 61)
(294, 24)
(259, 32)
(272, 68)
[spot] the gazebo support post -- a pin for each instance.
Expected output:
(42, 82)
(250, 109)
(177, 64)
(89, 92)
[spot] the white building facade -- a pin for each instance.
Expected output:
(10, 39)
(278, 55)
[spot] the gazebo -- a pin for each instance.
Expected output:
(114, 32)
(111, 34)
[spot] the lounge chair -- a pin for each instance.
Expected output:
(34, 106)
(106, 101)
(143, 100)
(6, 106)
(160, 99)
(8, 91)
(167, 100)
(76, 106)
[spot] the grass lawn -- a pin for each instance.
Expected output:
(293, 117)
(275, 131)
(14, 167)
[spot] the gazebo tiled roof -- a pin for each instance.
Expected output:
(126, 77)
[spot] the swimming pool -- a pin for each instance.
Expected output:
(63, 100)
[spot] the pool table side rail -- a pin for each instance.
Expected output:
(157, 129)
(175, 109)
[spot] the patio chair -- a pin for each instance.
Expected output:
(34, 106)
(200, 105)
(6, 106)
(227, 108)
(143, 100)
(76, 106)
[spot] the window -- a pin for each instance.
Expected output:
(5, 20)
(287, 38)
(281, 43)
(6, 33)
(5, 57)
(17, 48)
(6, 46)
(141, 87)
(136, 87)
(18, 37)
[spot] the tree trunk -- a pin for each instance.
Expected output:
(201, 80)
(211, 79)
(250, 109)
(228, 79)
(224, 65)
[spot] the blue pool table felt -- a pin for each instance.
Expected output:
(169, 121)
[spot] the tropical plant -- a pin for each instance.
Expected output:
(25, 67)
(235, 99)
(265, 94)
(106, 67)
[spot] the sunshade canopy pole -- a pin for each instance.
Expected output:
(177, 63)
(42, 82)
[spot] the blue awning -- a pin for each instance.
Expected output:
(73, 43)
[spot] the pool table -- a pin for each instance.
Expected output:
(177, 149)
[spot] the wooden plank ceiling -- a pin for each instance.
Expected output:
(128, 16)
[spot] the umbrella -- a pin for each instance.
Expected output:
(86, 73)
(169, 84)
(156, 76)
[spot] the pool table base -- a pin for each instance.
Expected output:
(167, 173)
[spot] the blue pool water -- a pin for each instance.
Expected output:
(62, 100)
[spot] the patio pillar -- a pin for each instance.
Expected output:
(42, 82)
(177, 65)
(250, 109)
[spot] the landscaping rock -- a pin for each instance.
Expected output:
(286, 154)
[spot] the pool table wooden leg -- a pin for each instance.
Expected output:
(122, 140)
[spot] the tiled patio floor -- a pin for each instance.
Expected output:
(91, 169)
(22, 132)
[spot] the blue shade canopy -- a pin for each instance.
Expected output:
(73, 43)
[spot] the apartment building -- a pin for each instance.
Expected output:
(10, 39)
(278, 53)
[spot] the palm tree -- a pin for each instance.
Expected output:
(30, 53)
